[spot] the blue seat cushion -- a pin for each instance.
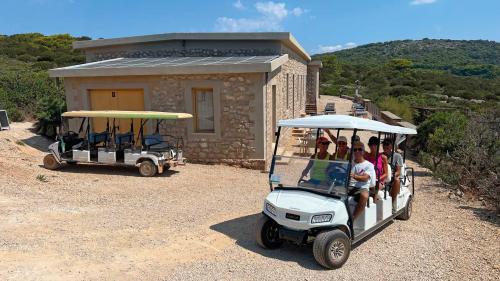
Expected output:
(124, 138)
(95, 138)
(152, 139)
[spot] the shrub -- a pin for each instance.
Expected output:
(48, 113)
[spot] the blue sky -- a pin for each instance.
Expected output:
(319, 25)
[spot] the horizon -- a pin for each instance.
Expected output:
(391, 20)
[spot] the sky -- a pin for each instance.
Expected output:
(318, 25)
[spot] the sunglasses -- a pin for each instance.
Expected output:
(342, 143)
(357, 149)
(325, 143)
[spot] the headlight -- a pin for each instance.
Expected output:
(271, 209)
(321, 218)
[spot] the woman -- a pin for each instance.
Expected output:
(318, 168)
(379, 162)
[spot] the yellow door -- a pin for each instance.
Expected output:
(128, 99)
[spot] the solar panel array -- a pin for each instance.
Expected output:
(174, 61)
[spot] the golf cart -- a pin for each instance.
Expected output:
(151, 153)
(304, 211)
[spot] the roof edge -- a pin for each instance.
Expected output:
(286, 37)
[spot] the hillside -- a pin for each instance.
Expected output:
(399, 74)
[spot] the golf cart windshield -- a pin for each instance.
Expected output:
(302, 172)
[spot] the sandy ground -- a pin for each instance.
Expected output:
(196, 223)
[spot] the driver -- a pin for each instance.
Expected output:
(362, 173)
(318, 168)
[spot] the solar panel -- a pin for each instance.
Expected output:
(174, 61)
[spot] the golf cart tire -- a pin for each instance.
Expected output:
(407, 211)
(147, 168)
(50, 162)
(325, 241)
(262, 230)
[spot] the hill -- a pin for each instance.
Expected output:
(398, 74)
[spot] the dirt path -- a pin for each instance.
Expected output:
(196, 223)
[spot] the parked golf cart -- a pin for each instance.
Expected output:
(151, 153)
(302, 211)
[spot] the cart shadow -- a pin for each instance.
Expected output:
(242, 230)
(107, 170)
(38, 142)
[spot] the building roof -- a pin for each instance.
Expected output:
(390, 115)
(171, 66)
(407, 125)
(344, 122)
(285, 37)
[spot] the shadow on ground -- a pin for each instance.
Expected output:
(38, 142)
(100, 169)
(484, 214)
(243, 231)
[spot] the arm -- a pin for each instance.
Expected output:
(332, 137)
(385, 163)
(362, 177)
(307, 168)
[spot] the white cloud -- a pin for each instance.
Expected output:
(238, 5)
(334, 48)
(271, 16)
(422, 2)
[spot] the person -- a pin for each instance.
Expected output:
(362, 173)
(334, 139)
(318, 168)
(380, 164)
(396, 162)
(342, 150)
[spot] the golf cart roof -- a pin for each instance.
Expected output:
(127, 114)
(344, 122)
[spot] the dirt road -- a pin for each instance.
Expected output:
(196, 223)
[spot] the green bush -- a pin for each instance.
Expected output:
(397, 107)
(48, 113)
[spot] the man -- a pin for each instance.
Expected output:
(362, 173)
(318, 168)
(396, 162)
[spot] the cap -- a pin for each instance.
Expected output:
(342, 139)
(322, 139)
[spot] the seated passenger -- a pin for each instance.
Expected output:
(380, 164)
(343, 150)
(396, 162)
(337, 171)
(334, 139)
(318, 168)
(362, 173)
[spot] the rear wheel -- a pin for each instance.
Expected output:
(331, 249)
(147, 168)
(267, 233)
(50, 162)
(407, 212)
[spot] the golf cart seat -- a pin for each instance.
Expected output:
(155, 142)
(125, 138)
(97, 138)
(368, 218)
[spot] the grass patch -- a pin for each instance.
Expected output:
(42, 178)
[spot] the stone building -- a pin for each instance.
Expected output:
(236, 85)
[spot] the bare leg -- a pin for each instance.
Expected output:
(396, 185)
(363, 198)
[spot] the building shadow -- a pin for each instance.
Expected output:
(242, 230)
(101, 169)
(484, 214)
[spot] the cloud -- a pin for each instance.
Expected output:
(334, 48)
(422, 2)
(238, 5)
(270, 18)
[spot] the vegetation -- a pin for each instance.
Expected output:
(26, 91)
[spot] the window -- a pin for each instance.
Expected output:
(203, 109)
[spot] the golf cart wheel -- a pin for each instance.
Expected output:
(267, 233)
(147, 168)
(331, 249)
(407, 212)
(50, 162)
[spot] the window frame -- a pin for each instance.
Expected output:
(194, 91)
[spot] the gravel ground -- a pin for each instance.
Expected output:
(196, 223)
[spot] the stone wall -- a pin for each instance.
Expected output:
(312, 84)
(238, 141)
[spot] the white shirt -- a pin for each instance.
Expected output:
(364, 167)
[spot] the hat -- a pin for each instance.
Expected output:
(342, 139)
(322, 139)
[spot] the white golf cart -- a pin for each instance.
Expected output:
(151, 153)
(302, 210)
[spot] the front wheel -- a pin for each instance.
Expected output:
(147, 168)
(331, 249)
(50, 162)
(267, 233)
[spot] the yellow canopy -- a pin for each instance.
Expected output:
(127, 114)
